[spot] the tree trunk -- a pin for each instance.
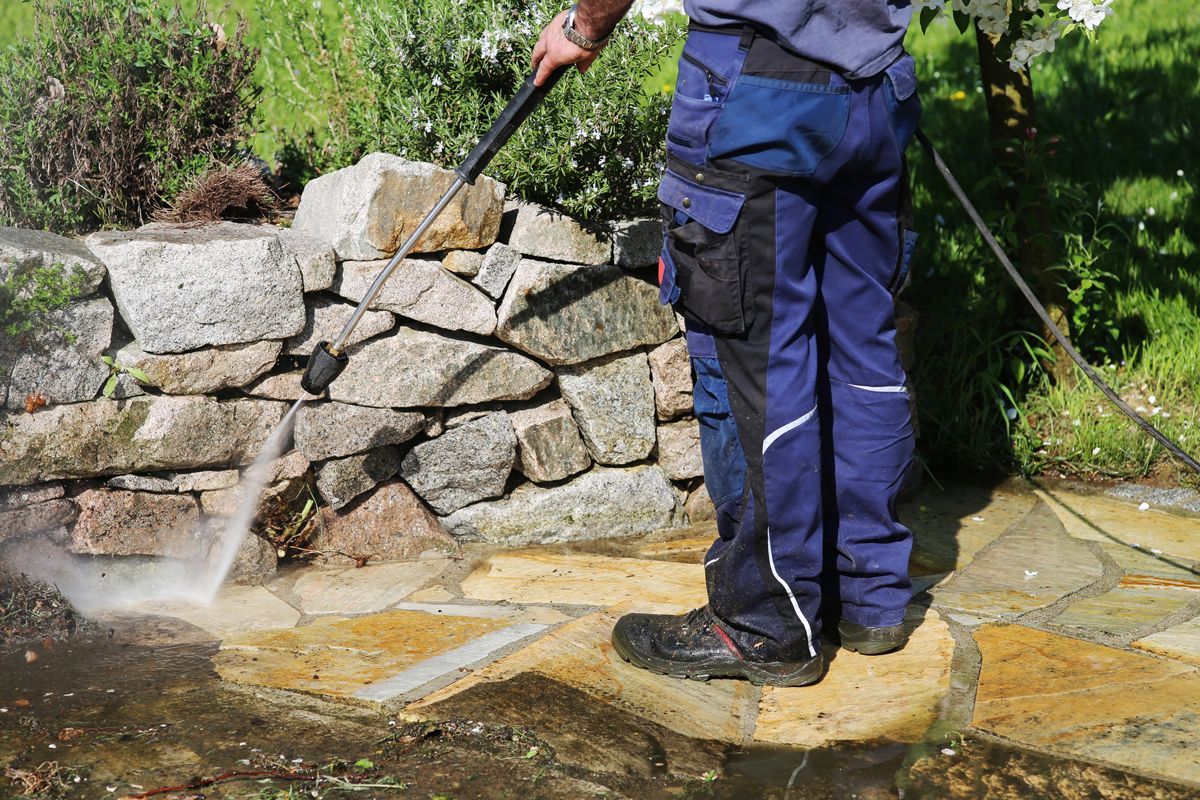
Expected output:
(1011, 121)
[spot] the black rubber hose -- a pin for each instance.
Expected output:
(1158, 436)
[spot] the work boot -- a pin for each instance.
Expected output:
(871, 641)
(695, 646)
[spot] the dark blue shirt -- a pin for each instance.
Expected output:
(858, 38)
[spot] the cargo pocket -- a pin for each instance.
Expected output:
(699, 91)
(779, 126)
(702, 250)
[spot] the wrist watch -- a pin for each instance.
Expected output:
(576, 38)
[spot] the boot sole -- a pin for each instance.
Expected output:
(801, 673)
(874, 648)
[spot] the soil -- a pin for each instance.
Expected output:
(32, 611)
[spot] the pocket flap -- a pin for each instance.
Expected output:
(715, 209)
(903, 76)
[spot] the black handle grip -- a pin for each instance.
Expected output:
(520, 107)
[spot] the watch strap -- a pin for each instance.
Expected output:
(575, 37)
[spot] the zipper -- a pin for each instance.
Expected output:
(713, 78)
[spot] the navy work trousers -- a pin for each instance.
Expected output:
(785, 242)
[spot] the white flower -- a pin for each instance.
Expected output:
(437, 80)
(1087, 13)
(1095, 451)
(1144, 507)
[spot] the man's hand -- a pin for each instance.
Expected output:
(594, 20)
(554, 50)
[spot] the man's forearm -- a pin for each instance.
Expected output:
(595, 19)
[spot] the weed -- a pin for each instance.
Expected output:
(115, 370)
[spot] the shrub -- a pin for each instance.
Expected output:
(110, 107)
(439, 71)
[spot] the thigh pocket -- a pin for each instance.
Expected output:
(702, 246)
(780, 126)
(699, 90)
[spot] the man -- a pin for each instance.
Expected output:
(785, 210)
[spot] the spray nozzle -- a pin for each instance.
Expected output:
(323, 368)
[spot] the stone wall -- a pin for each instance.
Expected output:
(516, 381)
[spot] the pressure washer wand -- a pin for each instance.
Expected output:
(328, 359)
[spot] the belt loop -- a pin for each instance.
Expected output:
(747, 39)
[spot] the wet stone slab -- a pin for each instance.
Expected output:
(949, 528)
(584, 579)
(361, 590)
(1109, 521)
(1033, 565)
(866, 698)
(236, 610)
(373, 658)
(1089, 701)
(1181, 642)
(1125, 609)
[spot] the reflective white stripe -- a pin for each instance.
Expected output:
(796, 423)
(877, 388)
(710, 563)
(792, 597)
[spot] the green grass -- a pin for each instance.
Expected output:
(1126, 108)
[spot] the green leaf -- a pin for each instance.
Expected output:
(139, 376)
(364, 763)
(107, 360)
(110, 386)
(962, 21)
(928, 15)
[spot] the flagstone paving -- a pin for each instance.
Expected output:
(1107, 520)
(584, 579)
(1086, 700)
(866, 698)
(1063, 622)
(1033, 565)
(360, 591)
(1180, 642)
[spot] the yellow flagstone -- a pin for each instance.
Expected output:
(865, 698)
(580, 654)
(949, 528)
(1104, 519)
(1181, 642)
(341, 656)
(585, 579)
(1086, 700)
